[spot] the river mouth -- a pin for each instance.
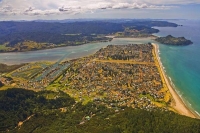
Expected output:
(71, 52)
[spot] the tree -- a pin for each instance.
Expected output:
(1, 84)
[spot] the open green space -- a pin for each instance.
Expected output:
(3, 47)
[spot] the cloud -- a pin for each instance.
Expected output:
(171, 2)
(49, 7)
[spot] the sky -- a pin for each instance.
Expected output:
(98, 9)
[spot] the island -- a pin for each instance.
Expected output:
(176, 41)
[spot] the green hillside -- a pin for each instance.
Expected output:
(52, 112)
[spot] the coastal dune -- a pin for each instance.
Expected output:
(177, 102)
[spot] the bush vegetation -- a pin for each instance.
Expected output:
(56, 112)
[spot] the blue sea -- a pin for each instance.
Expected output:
(182, 63)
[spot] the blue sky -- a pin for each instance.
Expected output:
(74, 9)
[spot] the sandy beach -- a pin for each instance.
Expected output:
(177, 102)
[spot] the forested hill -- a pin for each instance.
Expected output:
(89, 27)
(176, 41)
(30, 35)
(7, 28)
(55, 112)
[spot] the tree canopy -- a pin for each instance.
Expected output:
(56, 112)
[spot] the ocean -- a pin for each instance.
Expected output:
(182, 63)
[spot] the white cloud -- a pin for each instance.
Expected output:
(48, 7)
(161, 2)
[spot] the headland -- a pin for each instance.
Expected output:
(175, 41)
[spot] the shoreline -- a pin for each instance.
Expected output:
(177, 103)
(60, 46)
(63, 46)
(60, 51)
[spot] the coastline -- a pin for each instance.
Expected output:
(64, 46)
(177, 103)
(55, 54)
(47, 48)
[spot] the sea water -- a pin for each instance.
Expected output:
(182, 63)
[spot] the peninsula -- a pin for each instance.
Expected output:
(115, 76)
(176, 41)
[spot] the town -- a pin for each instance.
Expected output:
(115, 76)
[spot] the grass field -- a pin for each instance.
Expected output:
(3, 47)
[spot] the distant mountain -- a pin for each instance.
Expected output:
(97, 19)
(16, 36)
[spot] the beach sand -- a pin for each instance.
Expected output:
(177, 102)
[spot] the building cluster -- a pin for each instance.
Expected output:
(115, 83)
(115, 76)
(131, 52)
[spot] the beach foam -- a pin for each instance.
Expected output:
(197, 113)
